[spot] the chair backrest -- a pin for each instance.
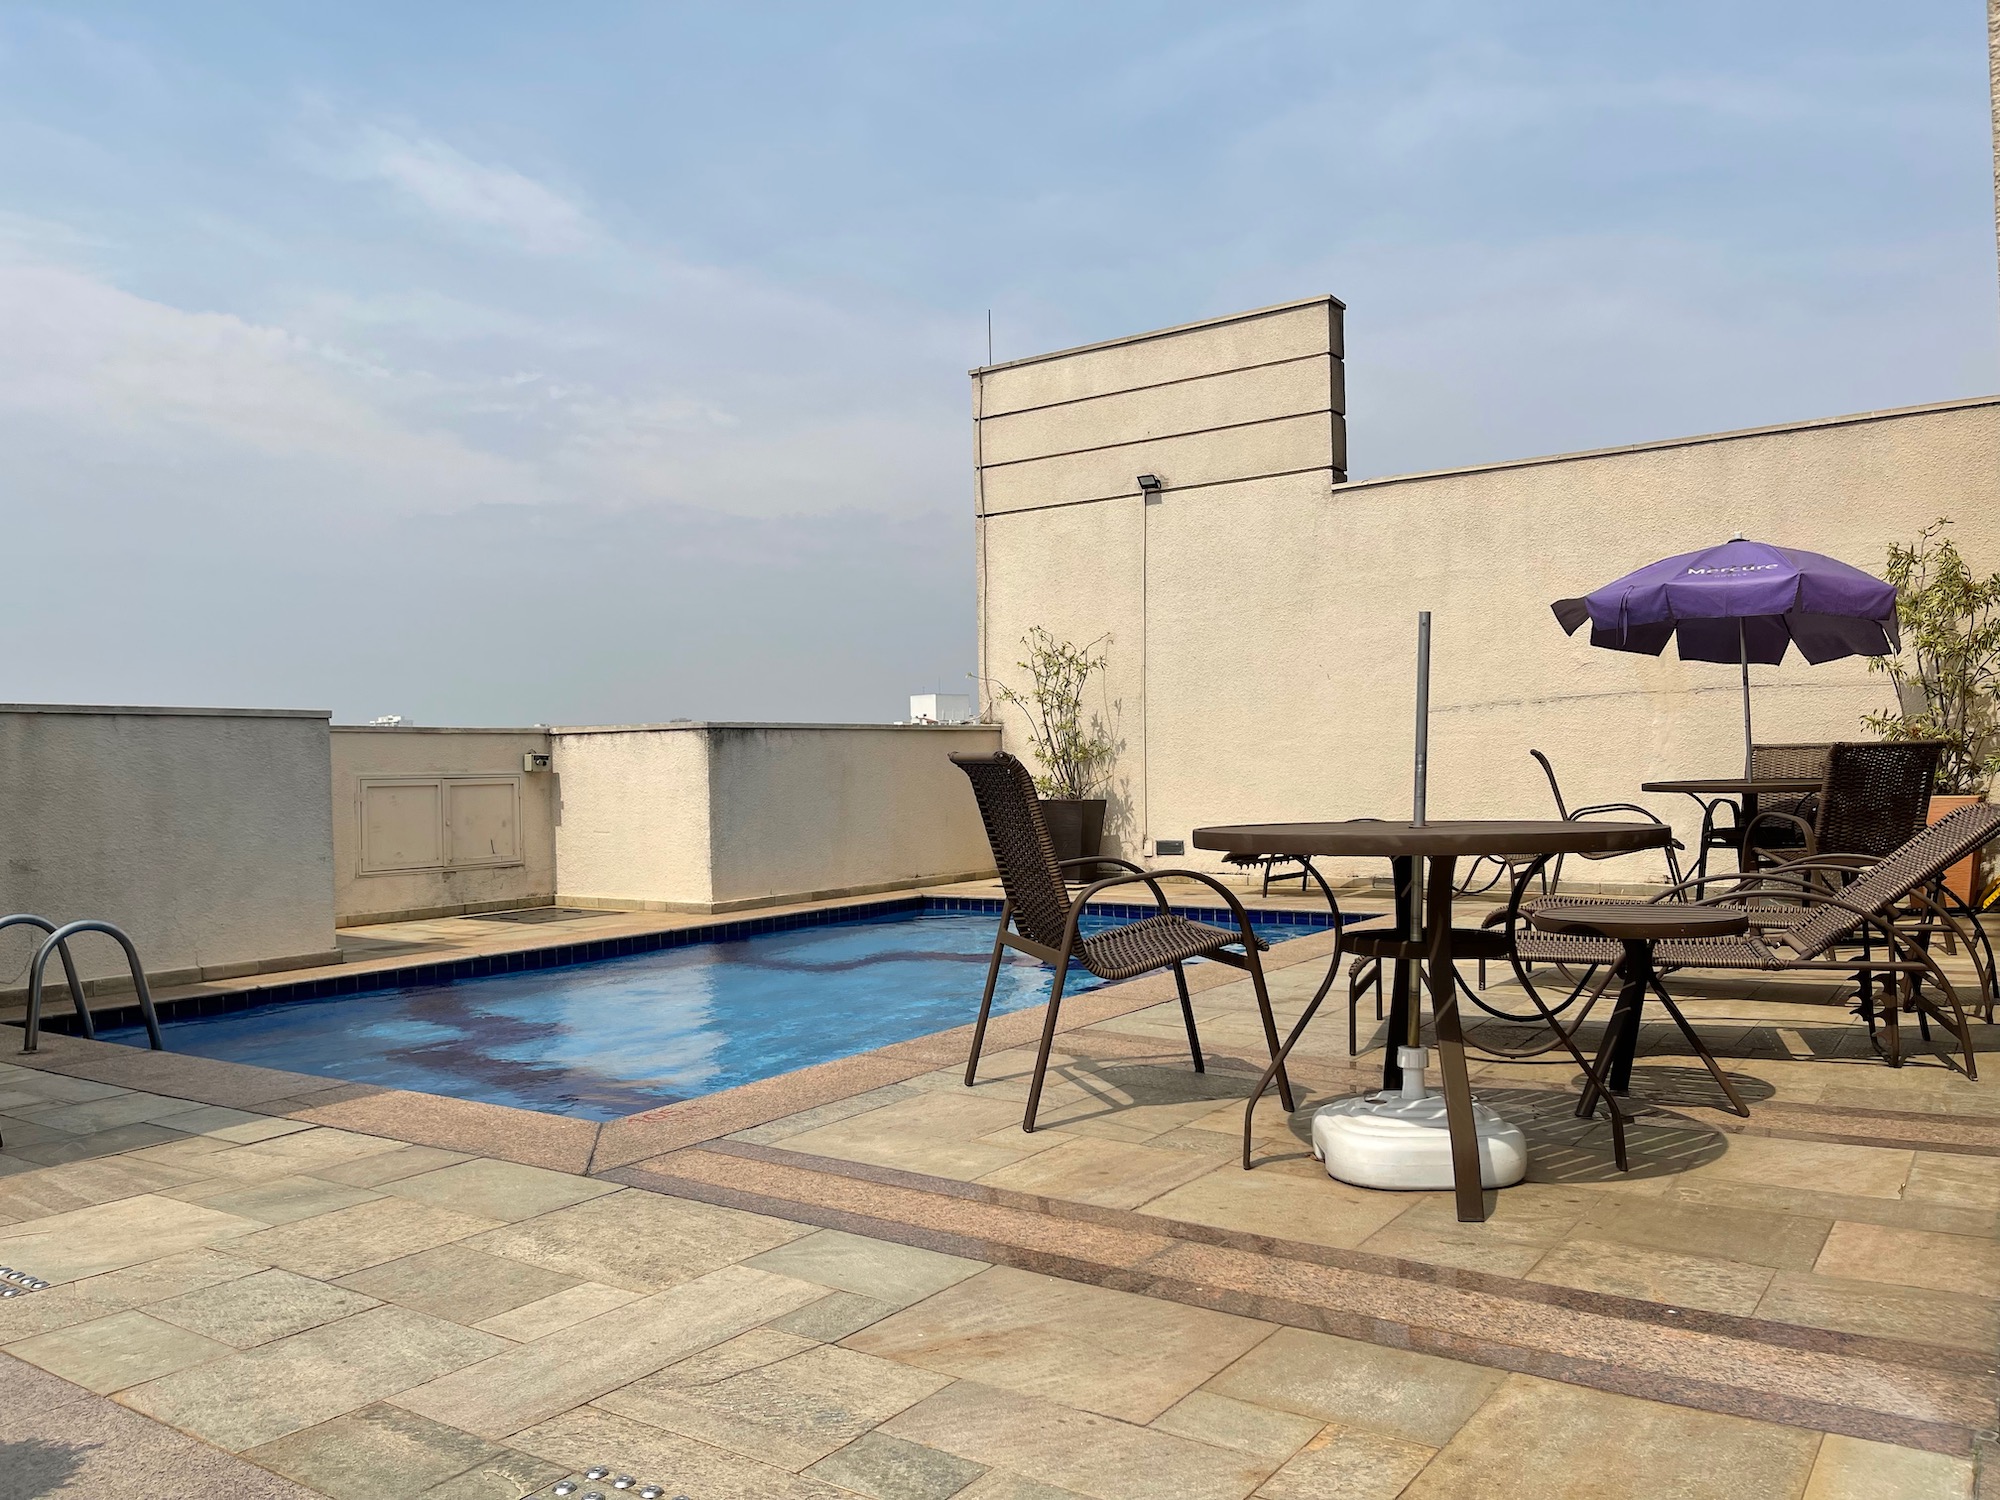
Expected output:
(1875, 796)
(1920, 860)
(1788, 762)
(1022, 849)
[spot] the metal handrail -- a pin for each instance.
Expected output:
(29, 919)
(59, 941)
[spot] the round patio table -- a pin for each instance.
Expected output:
(1709, 790)
(1443, 844)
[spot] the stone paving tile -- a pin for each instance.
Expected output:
(1902, 1257)
(261, 1394)
(1348, 1463)
(301, 1153)
(1115, 1174)
(934, 1133)
(108, 1113)
(834, 1317)
(111, 1236)
(1962, 1181)
(998, 1484)
(1536, 1438)
(1418, 1398)
(1867, 1171)
(499, 1190)
(379, 1452)
(529, 1383)
(58, 1439)
(790, 1413)
(1287, 1200)
(1855, 1469)
(1106, 1351)
(59, 1149)
(95, 1296)
(552, 1314)
(458, 1283)
(639, 1240)
(275, 1200)
(508, 1474)
(387, 1166)
(1074, 1450)
(1655, 1275)
(256, 1309)
(1224, 1422)
(1949, 1319)
(1782, 1241)
(590, 1434)
(237, 1126)
(886, 1272)
(110, 1353)
(338, 1244)
(887, 1468)
(42, 1191)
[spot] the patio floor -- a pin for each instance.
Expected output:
(865, 1279)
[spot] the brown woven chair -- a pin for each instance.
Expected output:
(1872, 800)
(1873, 905)
(1040, 918)
(1767, 763)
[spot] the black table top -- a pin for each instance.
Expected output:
(1444, 838)
(1723, 786)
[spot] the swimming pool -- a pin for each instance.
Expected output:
(612, 1036)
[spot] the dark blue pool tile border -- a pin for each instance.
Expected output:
(563, 955)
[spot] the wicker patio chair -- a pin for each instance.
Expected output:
(1871, 801)
(1767, 763)
(1872, 903)
(1040, 918)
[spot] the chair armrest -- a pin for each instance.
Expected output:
(1138, 873)
(1153, 878)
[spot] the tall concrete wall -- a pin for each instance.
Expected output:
(204, 833)
(1263, 633)
(371, 763)
(721, 817)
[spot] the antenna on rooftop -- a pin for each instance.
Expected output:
(989, 335)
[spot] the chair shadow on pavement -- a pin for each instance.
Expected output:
(33, 1468)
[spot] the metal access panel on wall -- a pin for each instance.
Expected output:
(438, 822)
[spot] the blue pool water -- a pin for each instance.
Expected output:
(615, 1036)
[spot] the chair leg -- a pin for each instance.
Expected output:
(1187, 1015)
(1708, 1058)
(1048, 1045)
(1270, 1029)
(986, 1003)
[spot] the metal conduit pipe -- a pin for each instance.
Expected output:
(57, 941)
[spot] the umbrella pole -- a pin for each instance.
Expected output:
(1417, 800)
(1743, 654)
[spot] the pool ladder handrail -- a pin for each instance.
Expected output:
(57, 941)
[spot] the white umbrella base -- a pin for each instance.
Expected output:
(1398, 1139)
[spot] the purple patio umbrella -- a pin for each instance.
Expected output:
(1742, 601)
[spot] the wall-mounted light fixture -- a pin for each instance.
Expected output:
(1151, 484)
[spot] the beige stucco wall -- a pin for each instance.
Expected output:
(1263, 631)
(716, 817)
(365, 751)
(204, 833)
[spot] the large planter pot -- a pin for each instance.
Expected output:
(1962, 879)
(1076, 827)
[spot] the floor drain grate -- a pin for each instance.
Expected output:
(595, 1481)
(15, 1283)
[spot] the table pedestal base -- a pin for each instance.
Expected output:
(1399, 1138)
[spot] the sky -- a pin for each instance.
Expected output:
(497, 363)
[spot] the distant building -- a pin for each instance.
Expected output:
(940, 708)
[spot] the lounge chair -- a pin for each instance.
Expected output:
(1874, 904)
(1040, 918)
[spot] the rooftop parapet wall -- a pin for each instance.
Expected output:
(727, 817)
(204, 833)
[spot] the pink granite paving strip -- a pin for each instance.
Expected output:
(557, 1142)
(1897, 1402)
(1428, 1273)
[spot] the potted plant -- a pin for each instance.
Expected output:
(1947, 676)
(1075, 756)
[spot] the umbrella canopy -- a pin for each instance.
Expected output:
(1742, 601)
